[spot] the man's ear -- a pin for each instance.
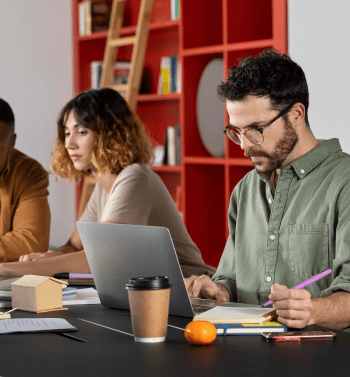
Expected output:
(298, 113)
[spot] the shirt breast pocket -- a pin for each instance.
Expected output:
(308, 249)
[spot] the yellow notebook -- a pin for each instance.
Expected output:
(224, 314)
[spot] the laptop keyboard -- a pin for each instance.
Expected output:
(200, 305)
(197, 309)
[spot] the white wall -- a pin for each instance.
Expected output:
(36, 80)
(319, 32)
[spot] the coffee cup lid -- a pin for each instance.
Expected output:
(153, 282)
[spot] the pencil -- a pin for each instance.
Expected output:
(306, 282)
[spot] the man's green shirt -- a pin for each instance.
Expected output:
(289, 234)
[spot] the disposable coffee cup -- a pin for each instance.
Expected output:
(149, 308)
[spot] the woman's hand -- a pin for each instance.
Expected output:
(35, 256)
(65, 262)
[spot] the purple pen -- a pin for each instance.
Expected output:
(78, 275)
(306, 282)
(73, 275)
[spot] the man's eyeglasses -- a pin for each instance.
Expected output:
(255, 135)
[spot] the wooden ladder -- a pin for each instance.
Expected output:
(139, 42)
(132, 88)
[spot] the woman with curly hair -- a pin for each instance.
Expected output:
(98, 134)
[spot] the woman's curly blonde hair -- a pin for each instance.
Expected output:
(121, 139)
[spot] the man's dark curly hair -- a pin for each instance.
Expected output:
(270, 74)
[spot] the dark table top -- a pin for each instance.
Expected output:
(114, 353)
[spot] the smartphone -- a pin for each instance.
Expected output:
(298, 336)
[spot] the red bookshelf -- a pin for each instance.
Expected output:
(231, 30)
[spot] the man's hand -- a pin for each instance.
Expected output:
(204, 287)
(35, 256)
(293, 306)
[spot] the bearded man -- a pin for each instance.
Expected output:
(289, 218)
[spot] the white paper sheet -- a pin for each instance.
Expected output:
(83, 296)
(34, 325)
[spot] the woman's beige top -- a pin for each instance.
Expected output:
(138, 196)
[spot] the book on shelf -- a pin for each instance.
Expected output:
(172, 146)
(225, 315)
(93, 16)
(121, 73)
(249, 328)
(178, 76)
(171, 131)
(175, 11)
(82, 18)
(165, 72)
(173, 72)
(158, 155)
(165, 158)
(96, 72)
(178, 144)
(169, 75)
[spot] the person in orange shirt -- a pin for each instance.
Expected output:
(24, 208)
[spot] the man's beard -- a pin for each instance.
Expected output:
(283, 148)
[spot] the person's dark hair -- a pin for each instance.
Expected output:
(6, 114)
(121, 139)
(270, 74)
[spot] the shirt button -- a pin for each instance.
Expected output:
(269, 278)
(302, 171)
(272, 237)
(270, 201)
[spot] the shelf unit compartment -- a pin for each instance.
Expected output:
(160, 12)
(172, 181)
(193, 67)
(233, 57)
(161, 42)
(234, 150)
(156, 116)
(205, 209)
(236, 173)
(252, 20)
(92, 50)
(89, 50)
(202, 23)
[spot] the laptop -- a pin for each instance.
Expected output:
(118, 252)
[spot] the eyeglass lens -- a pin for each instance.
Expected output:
(253, 135)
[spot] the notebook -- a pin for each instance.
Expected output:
(249, 328)
(118, 252)
(237, 315)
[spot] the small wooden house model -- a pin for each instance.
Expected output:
(38, 294)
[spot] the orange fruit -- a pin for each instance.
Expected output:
(200, 332)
